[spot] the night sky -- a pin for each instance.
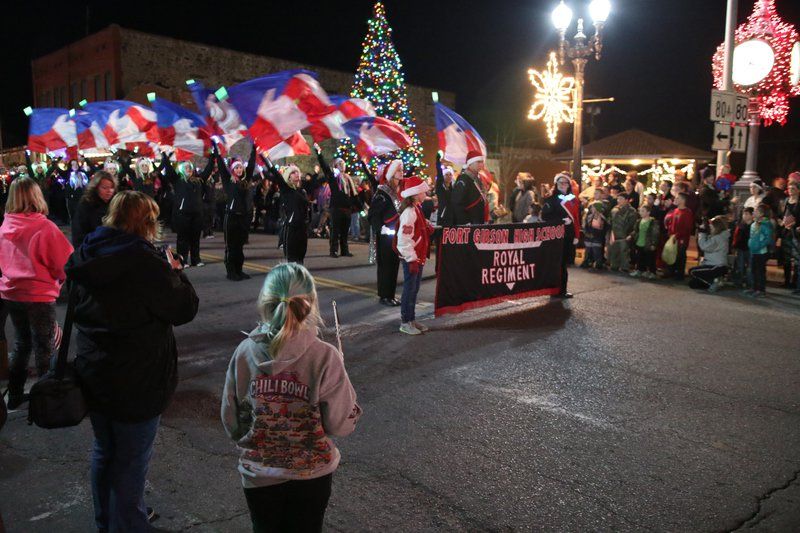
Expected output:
(656, 57)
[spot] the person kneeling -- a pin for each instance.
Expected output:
(713, 239)
(413, 245)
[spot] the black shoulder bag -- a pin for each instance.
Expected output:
(56, 400)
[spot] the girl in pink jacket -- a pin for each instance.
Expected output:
(286, 393)
(33, 252)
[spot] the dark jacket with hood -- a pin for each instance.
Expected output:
(127, 300)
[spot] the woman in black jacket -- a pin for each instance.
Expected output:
(296, 207)
(383, 217)
(344, 199)
(238, 210)
(187, 216)
(127, 296)
(93, 206)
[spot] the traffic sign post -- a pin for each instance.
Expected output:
(723, 106)
(739, 139)
(722, 137)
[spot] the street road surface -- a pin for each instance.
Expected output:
(636, 406)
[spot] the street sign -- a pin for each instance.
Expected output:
(722, 137)
(740, 113)
(723, 106)
(739, 139)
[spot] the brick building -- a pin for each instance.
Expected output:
(118, 63)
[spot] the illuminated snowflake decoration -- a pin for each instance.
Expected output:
(552, 102)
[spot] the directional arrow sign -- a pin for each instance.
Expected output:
(739, 139)
(722, 137)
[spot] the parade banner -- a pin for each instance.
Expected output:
(484, 265)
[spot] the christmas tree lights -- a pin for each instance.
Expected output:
(380, 80)
(773, 92)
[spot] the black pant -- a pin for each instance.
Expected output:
(758, 264)
(292, 506)
(208, 218)
(34, 331)
(567, 258)
(236, 227)
(340, 228)
(188, 227)
(388, 266)
(296, 243)
(645, 260)
(679, 267)
(704, 275)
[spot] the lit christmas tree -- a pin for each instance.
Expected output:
(380, 80)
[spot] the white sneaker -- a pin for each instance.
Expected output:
(650, 275)
(635, 273)
(422, 327)
(409, 329)
(200, 264)
(714, 287)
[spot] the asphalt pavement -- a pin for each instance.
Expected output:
(635, 406)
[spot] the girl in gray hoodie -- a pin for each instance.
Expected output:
(286, 392)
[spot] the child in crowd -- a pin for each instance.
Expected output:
(413, 244)
(286, 392)
(594, 236)
(791, 236)
(742, 277)
(680, 223)
(534, 214)
(645, 238)
(713, 240)
(762, 234)
(623, 222)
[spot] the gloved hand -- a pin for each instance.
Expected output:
(413, 268)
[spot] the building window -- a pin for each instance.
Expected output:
(83, 89)
(109, 91)
(98, 89)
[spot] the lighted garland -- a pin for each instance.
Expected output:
(773, 92)
(658, 173)
(380, 80)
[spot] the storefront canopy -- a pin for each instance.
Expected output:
(637, 147)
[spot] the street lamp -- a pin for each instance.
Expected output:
(579, 52)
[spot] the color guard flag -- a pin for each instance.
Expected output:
(222, 119)
(374, 136)
(51, 129)
(294, 145)
(330, 126)
(125, 124)
(274, 107)
(183, 130)
(456, 136)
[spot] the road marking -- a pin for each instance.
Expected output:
(325, 282)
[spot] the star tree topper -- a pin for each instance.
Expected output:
(552, 101)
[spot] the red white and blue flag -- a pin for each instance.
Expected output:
(276, 106)
(222, 119)
(51, 129)
(456, 136)
(373, 136)
(331, 125)
(183, 130)
(123, 124)
(293, 146)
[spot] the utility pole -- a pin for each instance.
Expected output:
(727, 69)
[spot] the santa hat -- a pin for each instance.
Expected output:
(287, 172)
(380, 175)
(474, 156)
(413, 186)
(561, 175)
(447, 170)
(392, 167)
(236, 163)
(794, 176)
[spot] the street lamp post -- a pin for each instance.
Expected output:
(579, 52)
